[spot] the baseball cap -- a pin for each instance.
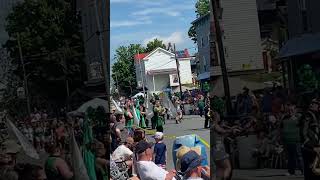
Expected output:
(142, 146)
(190, 161)
(184, 150)
(158, 135)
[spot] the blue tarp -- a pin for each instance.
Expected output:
(189, 141)
(205, 75)
(307, 43)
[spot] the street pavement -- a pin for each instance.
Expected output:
(263, 174)
(191, 124)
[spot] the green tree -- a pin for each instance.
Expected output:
(123, 70)
(202, 8)
(49, 33)
(152, 45)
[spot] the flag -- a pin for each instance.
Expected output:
(169, 105)
(26, 146)
(117, 106)
(88, 156)
(79, 168)
(135, 117)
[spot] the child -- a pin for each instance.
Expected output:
(160, 150)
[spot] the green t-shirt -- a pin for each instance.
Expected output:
(291, 130)
(201, 104)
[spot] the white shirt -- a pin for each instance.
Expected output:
(148, 170)
(198, 178)
(121, 153)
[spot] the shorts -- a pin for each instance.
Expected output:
(219, 152)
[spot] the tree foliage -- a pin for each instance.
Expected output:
(123, 70)
(50, 38)
(152, 45)
(202, 8)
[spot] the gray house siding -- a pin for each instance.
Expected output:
(294, 18)
(203, 41)
(313, 14)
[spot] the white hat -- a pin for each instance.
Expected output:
(158, 135)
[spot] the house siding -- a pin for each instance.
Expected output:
(202, 31)
(185, 72)
(162, 60)
(313, 15)
(242, 41)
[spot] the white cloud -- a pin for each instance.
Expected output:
(120, 1)
(173, 11)
(127, 23)
(175, 37)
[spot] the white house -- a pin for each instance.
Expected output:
(158, 69)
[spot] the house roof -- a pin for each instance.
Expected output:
(180, 54)
(140, 56)
(200, 18)
(158, 49)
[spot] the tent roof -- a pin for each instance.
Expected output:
(307, 43)
(236, 84)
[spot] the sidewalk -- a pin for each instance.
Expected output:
(263, 174)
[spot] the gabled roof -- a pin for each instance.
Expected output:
(180, 54)
(156, 50)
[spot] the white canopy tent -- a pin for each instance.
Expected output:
(236, 85)
(94, 103)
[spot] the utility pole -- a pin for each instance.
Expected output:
(222, 57)
(117, 81)
(178, 69)
(66, 79)
(142, 79)
(25, 82)
(103, 57)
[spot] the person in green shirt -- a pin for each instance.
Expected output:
(290, 133)
(158, 111)
(143, 112)
(128, 116)
(201, 106)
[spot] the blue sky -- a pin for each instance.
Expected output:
(139, 21)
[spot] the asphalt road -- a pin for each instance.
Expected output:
(263, 174)
(191, 124)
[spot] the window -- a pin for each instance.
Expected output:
(303, 5)
(205, 68)
(226, 51)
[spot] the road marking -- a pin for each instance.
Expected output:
(204, 142)
(152, 132)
